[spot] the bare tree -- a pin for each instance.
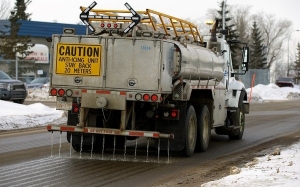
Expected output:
(279, 70)
(241, 16)
(275, 32)
(4, 9)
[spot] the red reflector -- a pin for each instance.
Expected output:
(53, 92)
(146, 97)
(115, 25)
(61, 92)
(154, 98)
(76, 110)
(102, 25)
(109, 25)
(174, 113)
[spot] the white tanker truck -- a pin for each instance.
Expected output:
(145, 75)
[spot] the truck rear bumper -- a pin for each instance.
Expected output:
(93, 130)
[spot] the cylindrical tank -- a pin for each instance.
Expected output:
(197, 62)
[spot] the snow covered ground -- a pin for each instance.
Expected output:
(265, 93)
(281, 168)
(17, 116)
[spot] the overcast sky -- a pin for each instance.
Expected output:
(66, 11)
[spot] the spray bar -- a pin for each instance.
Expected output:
(93, 130)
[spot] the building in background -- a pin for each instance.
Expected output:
(38, 31)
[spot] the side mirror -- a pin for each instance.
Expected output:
(245, 58)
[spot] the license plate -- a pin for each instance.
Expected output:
(63, 105)
(78, 59)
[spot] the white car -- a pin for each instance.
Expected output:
(38, 83)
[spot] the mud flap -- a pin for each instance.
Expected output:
(176, 127)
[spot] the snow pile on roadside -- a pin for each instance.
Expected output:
(17, 116)
(39, 95)
(261, 93)
(280, 168)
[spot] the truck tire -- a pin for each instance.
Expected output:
(204, 130)
(190, 131)
(238, 120)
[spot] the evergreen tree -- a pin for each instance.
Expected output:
(235, 48)
(12, 43)
(296, 65)
(257, 49)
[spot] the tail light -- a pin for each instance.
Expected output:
(146, 97)
(61, 92)
(53, 92)
(154, 97)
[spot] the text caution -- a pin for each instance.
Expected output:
(78, 59)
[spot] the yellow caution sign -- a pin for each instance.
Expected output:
(78, 59)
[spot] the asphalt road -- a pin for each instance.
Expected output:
(40, 158)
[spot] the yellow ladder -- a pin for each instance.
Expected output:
(165, 22)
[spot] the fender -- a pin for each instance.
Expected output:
(234, 91)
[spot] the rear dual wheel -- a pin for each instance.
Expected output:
(204, 130)
(191, 131)
(198, 130)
